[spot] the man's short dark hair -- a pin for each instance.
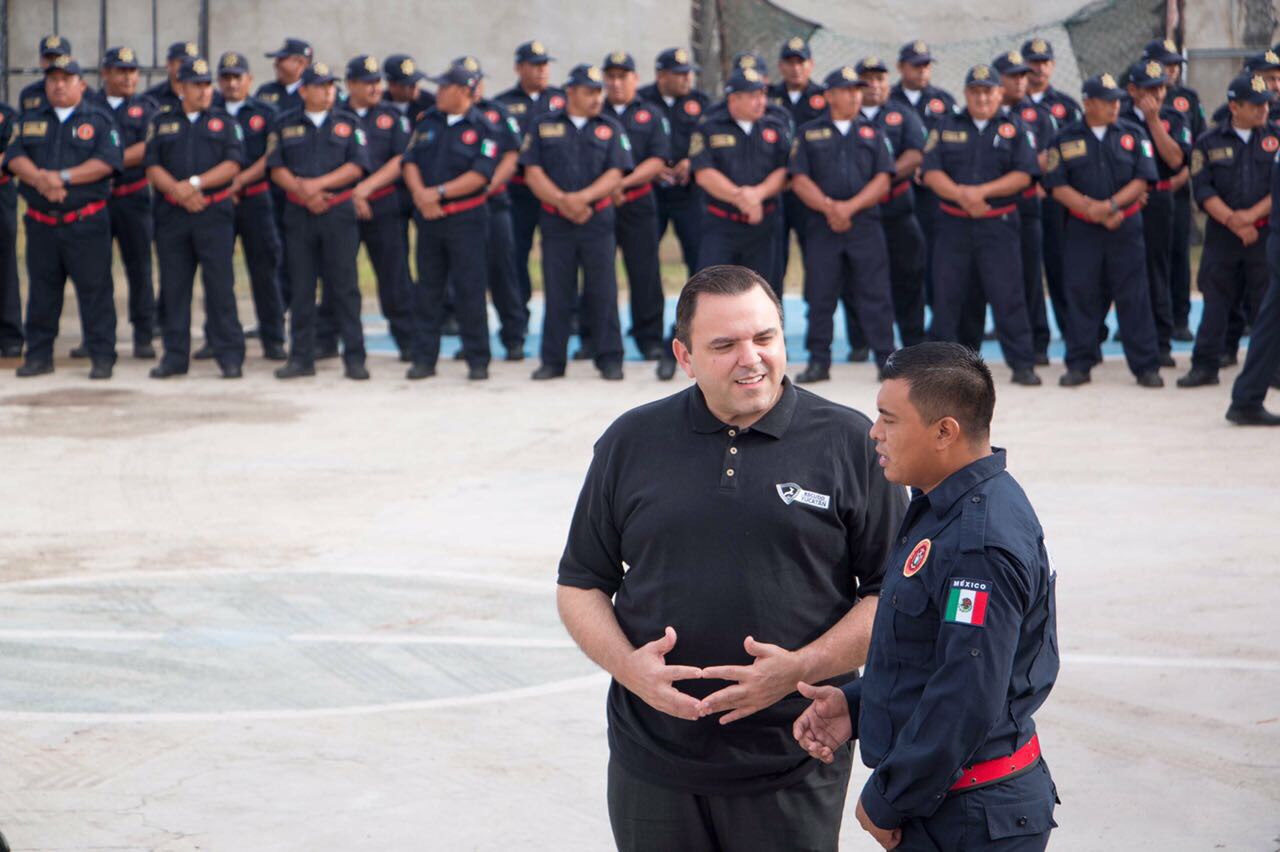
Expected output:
(718, 281)
(947, 380)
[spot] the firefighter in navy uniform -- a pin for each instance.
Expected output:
(637, 209)
(450, 160)
(165, 93)
(32, 95)
(1171, 140)
(10, 297)
(804, 100)
(403, 91)
(531, 97)
(841, 167)
(977, 161)
(65, 153)
(255, 219)
(317, 155)
(1231, 167)
(132, 220)
(1038, 54)
(575, 160)
(1099, 170)
(964, 647)
(192, 156)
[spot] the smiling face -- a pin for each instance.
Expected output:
(736, 354)
(748, 106)
(982, 101)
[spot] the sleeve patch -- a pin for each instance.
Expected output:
(967, 603)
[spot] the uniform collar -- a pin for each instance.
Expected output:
(774, 423)
(964, 480)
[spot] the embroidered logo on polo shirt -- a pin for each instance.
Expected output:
(790, 493)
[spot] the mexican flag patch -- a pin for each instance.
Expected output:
(968, 602)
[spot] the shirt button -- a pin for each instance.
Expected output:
(733, 451)
(729, 472)
(976, 499)
(732, 433)
(1022, 821)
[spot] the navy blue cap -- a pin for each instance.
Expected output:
(1037, 50)
(534, 52)
(233, 63)
(457, 75)
(194, 70)
(1010, 62)
(585, 75)
(1162, 50)
(795, 48)
(470, 64)
(182, 50)
(120, 57)
(1249, 88)
(65, 64)
(400, 68)
(744, 80)
(915, 53)
(619, 59)
(868, 64)
(363, 68)
(55, 45)
(748, 59)
(1102, 87)
(675, 59)
(317, 74)
(1146, 74)
(1266, 61)
(292, 47)
(844, 77)
(981, 75)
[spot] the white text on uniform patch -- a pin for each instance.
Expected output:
(793, 493)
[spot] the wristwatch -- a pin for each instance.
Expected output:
(65, 176)
(440, 191)
(194, 180)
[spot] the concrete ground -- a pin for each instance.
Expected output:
(320, 615)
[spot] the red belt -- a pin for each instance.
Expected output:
(129, 188)
(1029, 192)
(332, 201)
(255, 189)
(899, 190)
(1131, 210)
(497, 190)
(519, 180)
(383, 193)
(212, 198)
(639, 192)
(736, 217)
(1262, 223)
(1164, 186)
(991, 771)
(602, 204)
(67, 218)
(464, 205)
(993, 213)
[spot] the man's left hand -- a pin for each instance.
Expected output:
(889, 838)
(772, 676)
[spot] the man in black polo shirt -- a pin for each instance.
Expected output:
(755, 521)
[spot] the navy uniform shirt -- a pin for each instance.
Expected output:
(255, 118)
(780, 550)
(133, 117)
(964, 648)
(278, 96)
(683, 114)
(32, 96)
(8, 121)
(745, 160)
(308, 151)
(842, 164)
(1038, 119)
(574, 159)
(647, 130)
(1187, 102)
(1100, 169)
(505, 131)
(1223, 113)
(89, 133)
(970, 156)
(387, 132)
(905, 132)
(1064, 108)
(934, 103)
(1174, 124)
(811, 104)
(525, 110)
(164, 95)
(415, 109)
(778, 115)
(183, 147)
(1236, 171)
(444, 151)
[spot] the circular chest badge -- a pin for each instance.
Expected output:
(936, 105)
(604, 131)
(893, 119)
(557, 102)
(1029, 115)
(817, 102)
(643, 116)
(1181, 104)
(1270, 144)
(1058, 110)
(84, 132)
(215, 124)
(469, 137)
(769, 135)
(492, 115)
(256, 123)
(342, 130)
(919, 554)
(135, 111)
(1008, 131)
(384, 121)
(1127, 142)
(867, 132)
(692, 108)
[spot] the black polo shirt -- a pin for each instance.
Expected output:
(773, 532)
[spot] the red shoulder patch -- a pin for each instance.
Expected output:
(557, 102)
(85, 132)
(936, 105)
(1270, 144)
(342, 130)
(1127, 142)
(817, 102)
(1007, 130)
(769, 135)
(1058, 110)
(469, 136)
(384, 121)
(918, 556)
(604, 131)
(643, 116)
(893, 118)
(135, 111)
(866, 131)
(215, 124)
(1030, 115)
(692, 108)
(257, 122)
(492, 115)
(1181, 104)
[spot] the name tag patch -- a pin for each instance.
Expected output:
(35, 128)
(790, 493)
(1073, 148)
(958, 137)
(968, 602)
(293, 132)
(723, 140)
(550, 130)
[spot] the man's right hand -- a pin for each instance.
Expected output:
(825, 725)
(646, 674)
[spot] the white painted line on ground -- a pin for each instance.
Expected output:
(419, 639)
(91, 635)
(463, 577)
(1174, 662)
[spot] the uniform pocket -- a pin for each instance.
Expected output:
(1020, 819)
(915, 627)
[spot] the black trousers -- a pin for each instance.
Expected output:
(525, 213)
(1262, 363)
(1031, 242)
(323, 248)
(1229, 270)
(1103, 265)
(566, 249)
(451, 252)
(681, 207)
(1180, 257)
(855, 262)
(927, 214)
(636, 231)
(132, 226)
(1011, 816)
(384, 238)
(982, 256)
(504, 285)
(10, 294)
(804, 817)
(80, 250)
(905, 241)
(256, 228)
(1052, 220)
(1157, 234)
(279, 202)
(207, 239)
(794, 219)
(724, 241)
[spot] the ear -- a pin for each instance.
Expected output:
(946, 434)
(683, 357)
